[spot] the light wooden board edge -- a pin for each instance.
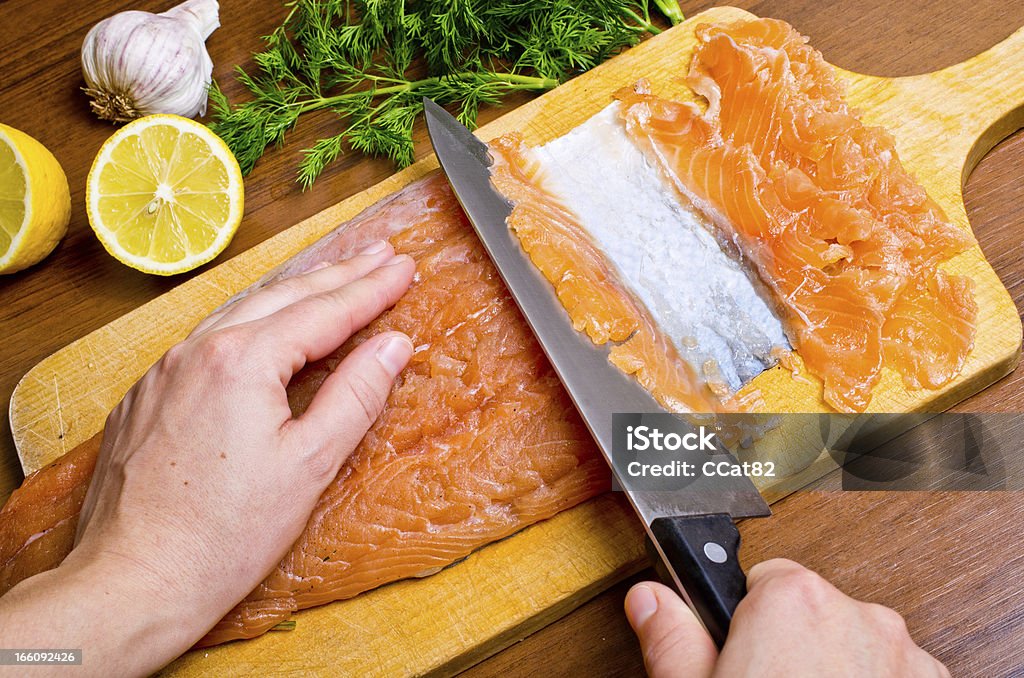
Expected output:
(141, 336)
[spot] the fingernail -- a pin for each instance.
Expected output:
(374, 247)
(641, 603)
(394, 353)
(397, 260)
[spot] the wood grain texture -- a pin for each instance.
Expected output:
(949, 581)
(79, 289)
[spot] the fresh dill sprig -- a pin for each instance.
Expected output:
(371, 62)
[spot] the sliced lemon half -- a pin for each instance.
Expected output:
(165, 194)
(35, 204)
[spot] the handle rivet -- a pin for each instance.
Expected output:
(715, 552)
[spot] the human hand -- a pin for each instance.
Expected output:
(205, 479)
(791, 623)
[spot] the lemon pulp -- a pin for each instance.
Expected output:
(12, 197)
(165, 194)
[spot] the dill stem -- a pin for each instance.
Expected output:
(671, 9)
(514, 80)
(643, 24)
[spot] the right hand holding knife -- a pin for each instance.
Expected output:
(792, 622)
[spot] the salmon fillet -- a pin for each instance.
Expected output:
(478, 438)
(699, 296)
(551, 233)
(846, 240)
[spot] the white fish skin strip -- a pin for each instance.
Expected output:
(699, 296)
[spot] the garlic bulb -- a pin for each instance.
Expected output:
(138, 63)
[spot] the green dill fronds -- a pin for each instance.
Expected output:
(371, 62)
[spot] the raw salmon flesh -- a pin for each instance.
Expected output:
(848, 243)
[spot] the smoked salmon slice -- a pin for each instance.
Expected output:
(846, 240)
(477, 441)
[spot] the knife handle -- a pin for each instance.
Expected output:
(702, 554)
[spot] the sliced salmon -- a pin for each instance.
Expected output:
(558, 245)
(38, 522)
(846, 240)
(930, 329)
(702, 301)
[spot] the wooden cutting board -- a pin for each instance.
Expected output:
(944, 122)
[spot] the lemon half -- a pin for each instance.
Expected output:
(35, 203)
(165, 194)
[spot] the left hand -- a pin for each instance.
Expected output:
(204, 479)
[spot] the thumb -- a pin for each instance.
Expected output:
(673, 641)
(352, 397)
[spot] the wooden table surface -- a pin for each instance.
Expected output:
(951, 564)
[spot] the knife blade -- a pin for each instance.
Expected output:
(691, 529)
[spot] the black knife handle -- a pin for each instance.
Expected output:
(703, 554)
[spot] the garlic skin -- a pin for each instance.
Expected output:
(139, 63)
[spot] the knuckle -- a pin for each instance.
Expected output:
(289, 288)
(766, 570)
(659, 647)
(384, 296)
(319, 464)
(379, 293)
(113, 421)
(757, 604)
(174, 356)
(347, 319)
(368, 398)
(333, 307)
(220, 350)
(889, 622)
(800, 587)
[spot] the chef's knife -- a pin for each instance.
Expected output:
(692, 528)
